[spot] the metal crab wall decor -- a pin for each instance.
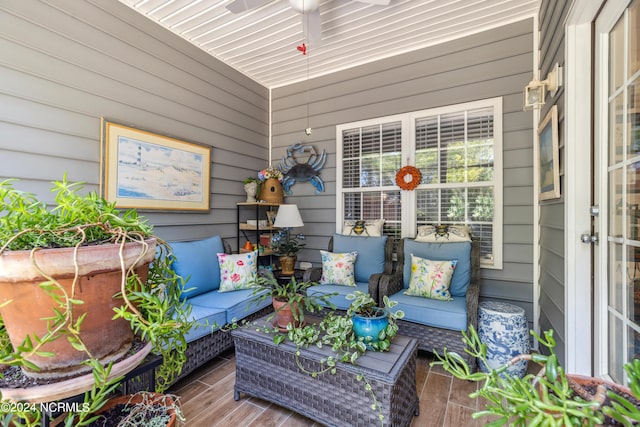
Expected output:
(295, 171)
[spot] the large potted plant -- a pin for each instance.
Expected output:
(91, 277)
(549, 397)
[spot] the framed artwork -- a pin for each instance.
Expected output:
(144, 170)
(271, 217)
(547, 156)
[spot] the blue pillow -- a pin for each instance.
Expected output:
(460, 251)
(370, 259)
(198, 259)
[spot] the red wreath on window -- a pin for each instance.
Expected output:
(408, 178)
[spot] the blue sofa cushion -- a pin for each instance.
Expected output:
(198, 259)
(436, 313)
(339, 300)
(370, 259)
(460, 251)
(207, 321)
(237, 304)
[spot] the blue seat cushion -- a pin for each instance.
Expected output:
(340, 300)
(198, 260)
(370, 259)
(207, 321)
(237, 304)
(460, 251)
(436, 313)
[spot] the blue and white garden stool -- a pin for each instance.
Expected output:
(503, 328)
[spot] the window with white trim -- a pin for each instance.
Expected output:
(458, 150)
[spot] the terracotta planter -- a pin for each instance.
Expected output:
(99, 280)
(148, 398)
(288, 264)
(271, 191)
(284, 315)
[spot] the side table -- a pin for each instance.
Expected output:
(285, 278)
(503, 328)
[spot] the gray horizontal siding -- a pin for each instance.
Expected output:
(552, 228)
(66, 64)
(486, 65)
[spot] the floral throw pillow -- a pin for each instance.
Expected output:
(238, 271)
(430, 279)
(338, 268)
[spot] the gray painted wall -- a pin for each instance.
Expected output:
(65, 64)
(493, 63)
(552, 293)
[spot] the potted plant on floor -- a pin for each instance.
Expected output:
(58, 260)
(291, 299)
(549, 398)
(140, 409)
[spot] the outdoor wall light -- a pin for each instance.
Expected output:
(535, 91)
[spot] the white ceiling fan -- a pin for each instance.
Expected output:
(309, 9)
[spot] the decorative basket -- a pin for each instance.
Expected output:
(271, 191)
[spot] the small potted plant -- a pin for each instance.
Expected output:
(140, 409)
(548, 398)
(287, 248)
(57, 260)
(374, 325)
(291, 299)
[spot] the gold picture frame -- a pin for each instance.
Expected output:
(144, 170)
(547, 156)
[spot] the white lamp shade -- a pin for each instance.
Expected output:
(288, 216)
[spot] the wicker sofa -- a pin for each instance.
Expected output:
(211, 309)
(435, 324)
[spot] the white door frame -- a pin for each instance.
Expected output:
(577, 188)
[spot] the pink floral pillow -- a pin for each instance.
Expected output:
(239, 271)
(338, 268)
(430, 279)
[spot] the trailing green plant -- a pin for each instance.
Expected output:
(548, 398)
(147, 409)
(152, 307)
(336, 331)
(364, 305)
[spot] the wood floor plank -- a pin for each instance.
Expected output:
(207, 400)
(433, 401)
(458, 415)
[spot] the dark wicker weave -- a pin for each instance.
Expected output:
(271, 372)
(206, 348)
(314, 274)
(430, 338)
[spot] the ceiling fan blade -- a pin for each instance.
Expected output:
(378, 2)
(311, 26)
(239, 6)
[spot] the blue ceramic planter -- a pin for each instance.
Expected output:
(369, 328)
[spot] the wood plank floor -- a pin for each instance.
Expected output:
(207, 399)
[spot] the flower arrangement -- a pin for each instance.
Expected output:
(270, 172)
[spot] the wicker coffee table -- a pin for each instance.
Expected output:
(270, 372)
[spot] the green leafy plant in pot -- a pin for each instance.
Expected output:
(291, 299)
(548, 398)
(373, 325)
(92, 277)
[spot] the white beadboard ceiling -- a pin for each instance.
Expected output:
(262, 42)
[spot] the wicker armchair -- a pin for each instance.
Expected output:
(432, 338)
(314, 274)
